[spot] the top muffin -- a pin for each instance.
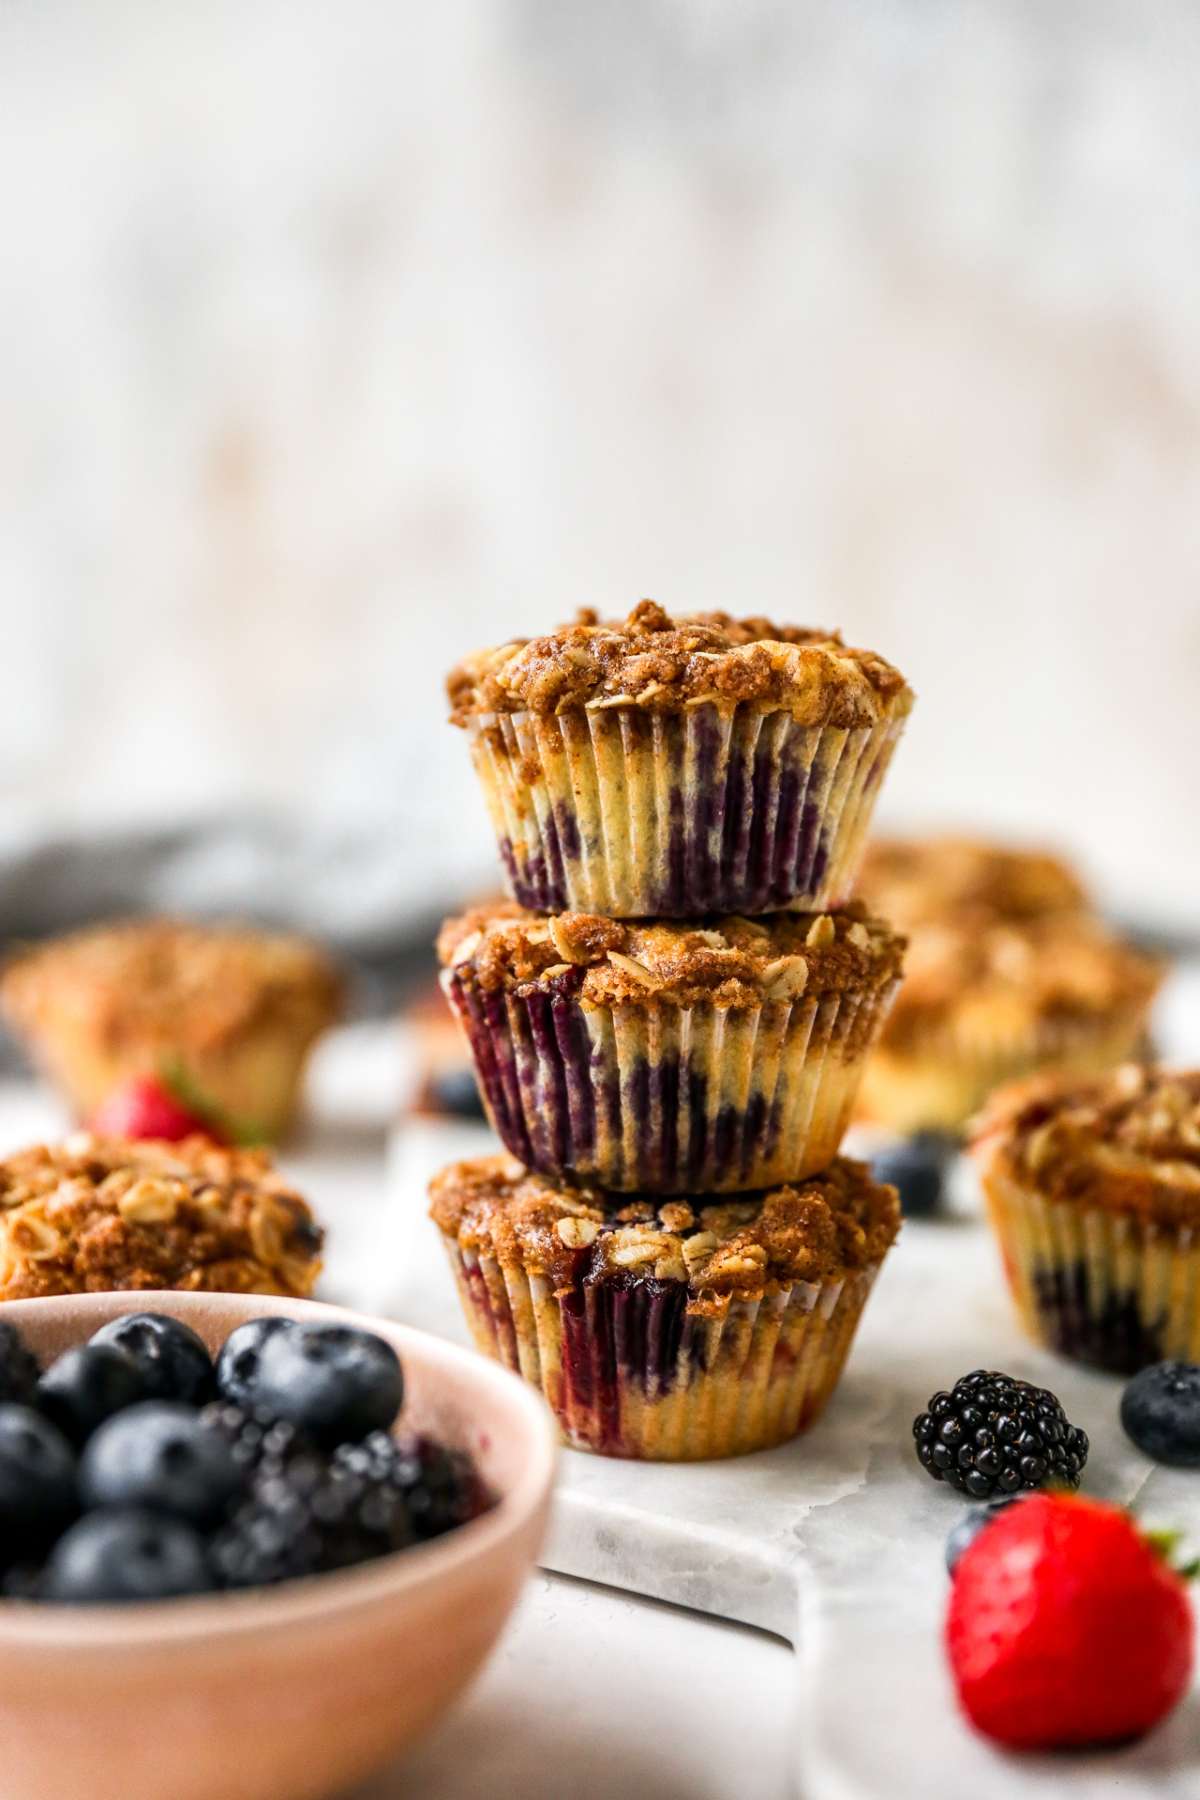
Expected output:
(650, 659)
(661, 767)
(915, 881)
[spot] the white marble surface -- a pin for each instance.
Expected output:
(596, 1694)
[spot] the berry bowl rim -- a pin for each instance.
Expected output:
(503, 1399)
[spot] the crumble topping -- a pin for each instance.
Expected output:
(735, 1247)
(735, 962)
(165, 981)
(923, 880)
(96, 1214)
(653, 660)
(1128, 1141)
(1003, 979)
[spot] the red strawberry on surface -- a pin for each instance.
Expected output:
(145, 1107)
(1066, 1627)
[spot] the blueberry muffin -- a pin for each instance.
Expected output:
(921, 881)
(1008, 971)
(96, 1214)
(669, 1330)
(227, 1014)
(1093, 1188)
(669, 767)
(670, 1057)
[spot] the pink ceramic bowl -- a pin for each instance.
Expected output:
(281, 1693)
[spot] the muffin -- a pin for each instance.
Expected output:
(667, 768)
(95, 1214)
(665, 1057)
(669, 1332)
(921, 881)
(228, 1015)
(1093, 1187)
(987, 1000)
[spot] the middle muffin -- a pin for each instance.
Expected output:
(670, 1057)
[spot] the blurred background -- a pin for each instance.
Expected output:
(338, 340)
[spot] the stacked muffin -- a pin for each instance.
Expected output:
(669, 1022)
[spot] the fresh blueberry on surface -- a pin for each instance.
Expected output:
(39, 1490)
(971, 1524)
(1160, 1410)
(160, 1456)
(126, 1555)
(993, 1435)
(173, 1359)
(334, 1381)
(237, 1364)
(87, 1385)
(18, 1368)
(917, 1167)
(456, 1091)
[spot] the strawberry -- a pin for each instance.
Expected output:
(1067, 1627)
(145, 1107)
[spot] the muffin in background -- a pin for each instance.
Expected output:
(227, 1014)
(1007, 972)
(689, 1329)
(660, 1057)
(920, 881)
(1093, 1189)
(667, 767)
(93, 1214)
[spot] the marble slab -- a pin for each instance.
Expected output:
(836, 1542)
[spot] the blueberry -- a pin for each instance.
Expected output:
(237, 1365)
(456, 1091)
(971, 1524)
(18, 1368)
(38, 1481)
(87, 1385)
(160, 1456)
(1160, 1410)
(336, 1382)
(917, 1167)
(126, 1555)
(173, 1359)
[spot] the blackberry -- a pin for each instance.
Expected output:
(255, 1441)
(992, 1435)
(441, 1486)
(308, 1515)
(309, 1512)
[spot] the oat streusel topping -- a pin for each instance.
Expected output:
(1002, 980)
(917, 881)
(736, 1247)
(189, 986)
(1128, 1141)
(96, 1214)
(653, 660)
(734, 962)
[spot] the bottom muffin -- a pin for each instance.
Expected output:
(668, 1332)
(1093, 1188)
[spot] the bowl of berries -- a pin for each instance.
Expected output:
(248, 1547)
